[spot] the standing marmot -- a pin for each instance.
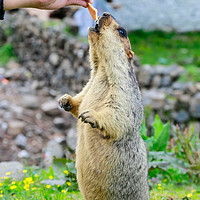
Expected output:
(111, 157)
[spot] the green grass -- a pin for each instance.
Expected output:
(167, 192)
(6, 54)
(30, 187)
(158, 47)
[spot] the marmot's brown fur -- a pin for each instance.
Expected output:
(111, 157)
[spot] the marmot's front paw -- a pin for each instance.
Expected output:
(65, 102)
(88, 117)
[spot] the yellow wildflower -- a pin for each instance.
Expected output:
(8, 173)
(34, 188)
(66, 172)
(63, 191)
(13, 183)
(25, 171)
(5, 177)
(13, 187)
(1, 195)
(189, 195)
(159, 185)
(48, 186)
(160, 188)
(36, 176)
(165, 180)
(51, 177)
(193, 191)
(1, 191)
(58, 185)
(68, 183)
(28, 180)
(1, 184)
(26, 187)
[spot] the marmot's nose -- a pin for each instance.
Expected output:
(106, 14)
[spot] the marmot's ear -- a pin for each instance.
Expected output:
(130, 54)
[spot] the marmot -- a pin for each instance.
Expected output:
(111, 157)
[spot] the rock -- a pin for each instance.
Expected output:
(4, 104)
(30, 101)
(53, 182)
(156, 82)
(71, 138)
(144, 76)
(54, 149)
(190, 88)
(15, 169)
(12, 64)
(166, 81)
(195, 106)
(178, 86)
(21, 140)
(154, 99)
(15, 127)
(16, 74)
(184, 101)
(59, 122)
(54, 59)
(182, 116)
(197, 85)
(51, 108)
(23, 154)
(175, 71)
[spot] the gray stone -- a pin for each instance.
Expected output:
(184, 101)
(197, 85)
(15, 169)
(23, 154)
(54, 59)
(4, 104)
(156, 82)
(16, 127)
(178, 86)
(182, 116)
(195, 106)
(12, 64)
(166, 81)
(190, 88)
(54, 149)
(51, 108)
(71, 138)
(21, 140)
(59, 122)
(154, 98)
(145, 74)
(175, 71)
(30, 101)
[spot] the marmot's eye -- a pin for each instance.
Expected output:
(122, 32)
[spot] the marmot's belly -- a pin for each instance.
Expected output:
(106, 171)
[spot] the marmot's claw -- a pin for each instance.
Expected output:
(64, 102)
(87, 117)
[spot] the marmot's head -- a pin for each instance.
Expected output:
(109, 37)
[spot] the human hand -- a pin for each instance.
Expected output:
(56, 4)
(43, 4)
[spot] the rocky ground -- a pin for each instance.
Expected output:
(31, 123)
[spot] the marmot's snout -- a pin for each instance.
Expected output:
(105, 19)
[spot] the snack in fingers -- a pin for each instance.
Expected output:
(92, 11)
